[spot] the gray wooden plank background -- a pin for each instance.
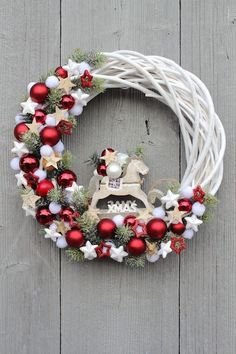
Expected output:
(182, 305)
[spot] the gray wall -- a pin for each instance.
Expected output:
(182, 305)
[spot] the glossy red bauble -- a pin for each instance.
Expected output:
(130, 220)
(156, 228)
(67, 102)
(185, 205)
(178, 228)
(39, 92)
(28, 163)
(75, 238)
(136, 246)
(106, 228)
(50, 136)
(44, 216)
(67, 214)
(44, 187)
(102, 169)
(20, 130)
(66, 178)
(40, 115)
(61, 72)
(105, 151)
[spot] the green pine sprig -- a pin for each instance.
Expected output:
(57, 195)
(123, 234)
(53, 100)
(136, 262)
(93, 160)
(94, 59)
(32, 141)
(97, 85)
(74, 255)
(89, 228)
(81, 200)
(66, 161)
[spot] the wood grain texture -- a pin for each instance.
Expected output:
(208, 283)
(29, 270)
(110, 308)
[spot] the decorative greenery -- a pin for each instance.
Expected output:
(210, 200)
(44, 77)
(53, 100)
(66, 161)
(56, 195)
(123, 235)
(98, 85)
(173, 186)
(32, 141)
(93, 160)
(73, 121)
(136, 262)
(139, 151)
(89, 228)
(92, 58)
(74, 255)
(81, 200)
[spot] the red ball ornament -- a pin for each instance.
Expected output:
(185, 205)
(178, 228)
(66, 178)
(67, 102)
(102, 169)
(156, 228)
(67, 214)
(50, 136)
(28, 163)
(44, 187)
(75, 238)
(106, 228)
(61, 72)
(39, 92)
(130, 220)
(136, 246)
(105, 151)
(20, 130)
(40, 115)
(44, 216)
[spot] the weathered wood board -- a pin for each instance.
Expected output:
(180, 305)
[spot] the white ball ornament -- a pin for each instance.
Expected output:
(15, 163)
(19, 118)
(187, 192)
(152, 258)
(114, 170)
(118, 220)
(198, 209)
(159, 212)
(76, 110)
(46, 150)
(53, 227)
(41, 174)
(52, 82)
(59, 147)
(122, 158)
(84, 66)
(54, 208)
(51, 121)
(61, 242)
(30, 85)
(188, 234)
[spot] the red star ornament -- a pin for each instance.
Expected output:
(103, 250)
(86, 79)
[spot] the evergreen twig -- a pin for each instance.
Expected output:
(89, 228)
(94, 160)
(136, 262)
(66, 161)
(81, 200)
(74, 255)
(32, 141)
(123, 234)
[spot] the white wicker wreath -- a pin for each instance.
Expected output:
(70, 213)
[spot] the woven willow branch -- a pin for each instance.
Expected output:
(164, 80)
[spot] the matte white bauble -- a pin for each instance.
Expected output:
(59, 147)
(198, 209)
(61, 242)
(54, 208)
(53, 227)
(15, 163)
(46, 150)
(122, 158)
(84, 66)
(188, 234)
(19, 118)
(114, 170)
(76, 110)
(186, 192)
(52, 82)
(152, 257)
(159, 212)
(41, 174)
(51, 121)
(30, 85)
(118, 220)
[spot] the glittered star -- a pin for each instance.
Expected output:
(34, 127)
(151, 247)
(170, 199)
(175, 216)
(59, 115)
(29, 106)
(193, 222)
(65, 84)
(165, 249)
(21, 180)
(52, 234)
(144, 215)
(80, 97)
(139, 228)
(52, 160)
(118, 253)
(89, 251)
(29, 198)
(19, 148)
(103, 250)
(72, 67)
(61, 227)
(86, 79)
(109, 156)
(74, 188)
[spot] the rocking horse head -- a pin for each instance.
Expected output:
(134, 169)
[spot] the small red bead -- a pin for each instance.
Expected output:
(102, 169)
(178, 228)
(75, 238)
(67, 102)
(40, 115)
(50, 136)
(39, 92)
(61, 72)
(136, 246)
(44, 187)
(28, 163)
(44, 216)
(20, 130)
(66, 178)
